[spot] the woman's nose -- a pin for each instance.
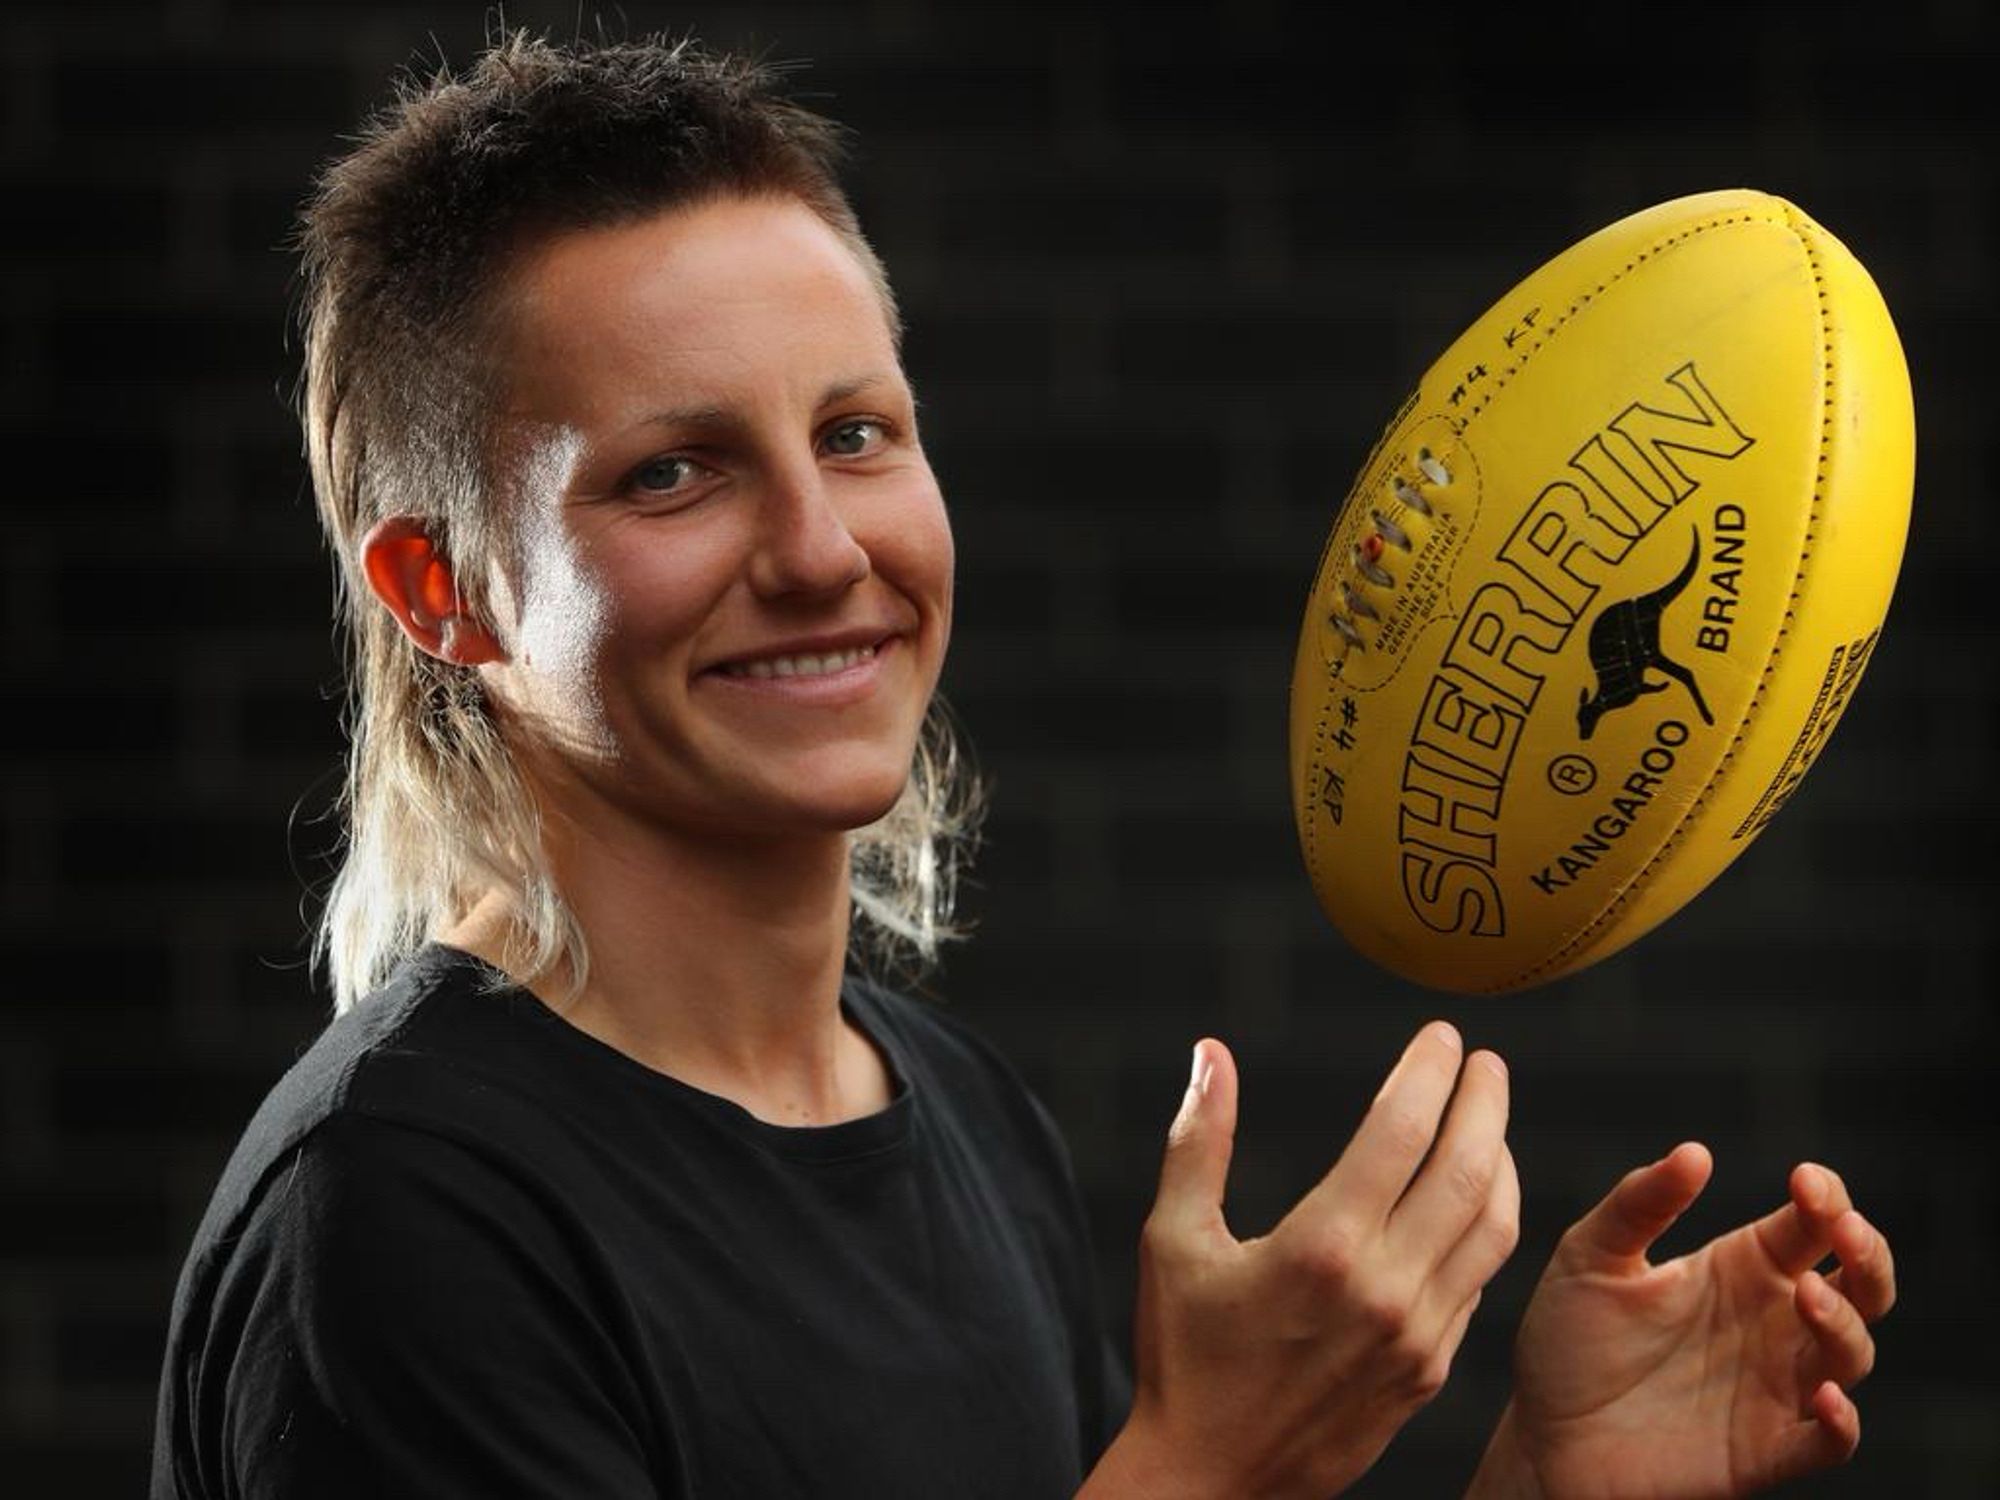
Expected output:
(804, 546)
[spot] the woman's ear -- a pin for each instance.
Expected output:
(406, 572)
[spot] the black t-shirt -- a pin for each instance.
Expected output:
(467, 1249)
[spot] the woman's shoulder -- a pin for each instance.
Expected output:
(422, 1054)
(341, 1321)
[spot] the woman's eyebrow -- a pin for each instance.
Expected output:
(696, 415)
(707, 414)
(842, 390)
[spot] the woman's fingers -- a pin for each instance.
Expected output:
(1486, 1242)
(1647, 1200)
(1867, 1274)
(1797, 1236)
(1844, 1348)
(1355, 1198)
(1821, 1217)
(1829, 1435)
(1194, 1172)
(1455, 1189)
(1304, 1351)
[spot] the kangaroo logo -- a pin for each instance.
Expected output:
(1625, 645)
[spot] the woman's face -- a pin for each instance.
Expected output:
(732, 588)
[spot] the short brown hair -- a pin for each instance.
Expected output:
(407, 243)
(409, 236)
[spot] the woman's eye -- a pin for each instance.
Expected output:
(664, 475)
(852, 439)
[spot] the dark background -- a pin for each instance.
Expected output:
(1167, 270)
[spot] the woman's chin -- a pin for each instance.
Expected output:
(828, 805)
(851, 793)
(865, 811)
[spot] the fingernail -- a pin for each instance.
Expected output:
(1494, 1061)
(1821, 1294)
(1447, 1033)
(1203, 1072)
(1190, 1110)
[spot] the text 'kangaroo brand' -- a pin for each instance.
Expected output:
(1617, 487)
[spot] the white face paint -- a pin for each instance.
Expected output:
(562, 611)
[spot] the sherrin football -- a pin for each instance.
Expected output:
(1600, 593)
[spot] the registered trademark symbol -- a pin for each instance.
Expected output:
(1572, 775)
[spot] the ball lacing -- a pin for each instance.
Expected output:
(1387, 533)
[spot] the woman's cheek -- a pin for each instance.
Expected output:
(941, 562)
(566, 611)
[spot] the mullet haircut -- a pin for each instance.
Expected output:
(406, 246)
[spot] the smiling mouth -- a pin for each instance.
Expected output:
(805, 665)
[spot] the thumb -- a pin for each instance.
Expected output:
(1646, 1201)
(1199, 1145)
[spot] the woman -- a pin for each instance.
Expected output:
(609, 1178)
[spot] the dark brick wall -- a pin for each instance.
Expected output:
(1167, 270)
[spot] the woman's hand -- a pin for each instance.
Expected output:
(1282, 1366)
(1720, 1373)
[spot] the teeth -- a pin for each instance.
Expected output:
(801, 666)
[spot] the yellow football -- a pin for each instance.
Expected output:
(1599, 593)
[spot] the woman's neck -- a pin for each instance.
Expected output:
(716, 962)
